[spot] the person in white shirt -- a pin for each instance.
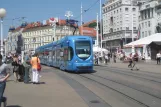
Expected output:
(106, 58)
(158, 56)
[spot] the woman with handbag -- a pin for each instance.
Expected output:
(15, 65)
(36, 68)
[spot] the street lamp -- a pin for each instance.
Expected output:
(68, 14)
(132, 48)
(53, 22)
(2, 15)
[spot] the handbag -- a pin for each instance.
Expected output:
(38, 65)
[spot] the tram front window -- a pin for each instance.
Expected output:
(83, 49)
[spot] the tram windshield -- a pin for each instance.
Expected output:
(83, 49)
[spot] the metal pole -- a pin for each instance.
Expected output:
(81, 20)
(125, 34)
(132, 26)
(101, 24)
(2, 36)
(54, 30)
(97, 31)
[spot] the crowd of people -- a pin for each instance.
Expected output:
(19, 66)
(106, 57)
(18, 69)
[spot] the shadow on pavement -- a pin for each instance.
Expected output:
(14, 106)
(9, 80)
(37, 83)
(83, 72)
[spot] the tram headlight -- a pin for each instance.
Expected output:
(91, 61)
(76, 61)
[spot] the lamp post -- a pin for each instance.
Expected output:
(132, 26)
(81, 20)
(101, 24)
(2, 15)
(68, 14)
(53, 22)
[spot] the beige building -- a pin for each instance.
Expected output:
(37, 34)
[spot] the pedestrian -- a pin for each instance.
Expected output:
(97, 58)
(16, 67)
(114, 57)
(106, 58)
(35, 62)
(4, 74)
(130, 60)
(158, 56)
(109, 56)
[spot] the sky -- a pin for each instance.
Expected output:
(39, 10)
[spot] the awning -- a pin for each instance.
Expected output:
(145, 41)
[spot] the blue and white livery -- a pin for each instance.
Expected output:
(72, 53)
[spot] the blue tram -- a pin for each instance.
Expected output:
(72, 53)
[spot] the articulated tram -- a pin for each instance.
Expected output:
(72, 53)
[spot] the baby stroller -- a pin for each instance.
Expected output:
(133, 64)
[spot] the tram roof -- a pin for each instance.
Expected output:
(61, 40)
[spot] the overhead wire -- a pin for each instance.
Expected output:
(88, 9)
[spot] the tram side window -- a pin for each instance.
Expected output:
(65, 54)
(68, 54)
(58, 54)
(53, 55)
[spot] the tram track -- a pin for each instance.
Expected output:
(132, 74)
(126, 86)
(133, 98)
(125, 95)
(147, 73)
(140, 71)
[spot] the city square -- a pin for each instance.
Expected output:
(101, 53)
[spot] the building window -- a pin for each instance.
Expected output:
(148, 23)
(142, 34)
(145, 24)
(134, 28)
(120, 9)
(142, 25)
(149, 32)
(133, 9)
(126, 9)
(127, 28)
(120, 22)
(145, 33)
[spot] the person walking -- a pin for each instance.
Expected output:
(35, 61)
(16, 69)
(106, 58)
(4, 74)
(130, 60)
(114, 57)
(158, 56)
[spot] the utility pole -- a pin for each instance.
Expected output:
(81, 20)
(69, 14)
(101, 24)
(97, 32)
(132, 26)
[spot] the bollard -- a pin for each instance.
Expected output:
(26, 74)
